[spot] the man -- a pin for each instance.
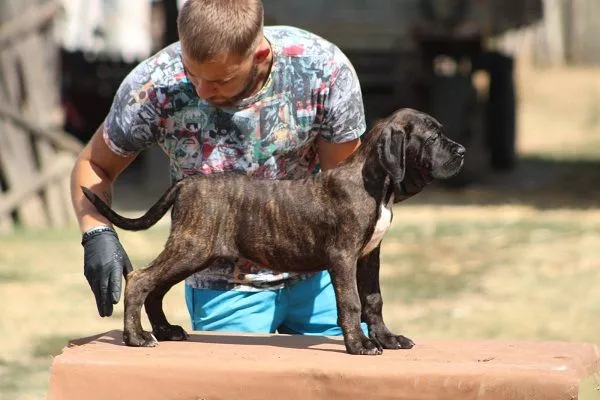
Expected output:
(232, 95)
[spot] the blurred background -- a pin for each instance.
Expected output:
(507, 249)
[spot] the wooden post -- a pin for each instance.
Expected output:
(32, 148)
(40, 92)
(15, 149)
(6, 222)
(585, 32)
(43, 106)
(554, 32)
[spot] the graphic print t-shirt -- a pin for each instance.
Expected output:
(312, 91)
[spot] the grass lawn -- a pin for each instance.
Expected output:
(448, 272)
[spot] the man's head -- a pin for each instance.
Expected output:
(223, 47)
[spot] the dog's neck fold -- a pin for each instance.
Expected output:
(366, 169)
(375, 179)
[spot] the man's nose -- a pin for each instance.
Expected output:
(205, 90)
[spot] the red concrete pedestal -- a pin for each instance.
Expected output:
(226, 366)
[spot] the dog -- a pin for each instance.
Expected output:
(334, 220)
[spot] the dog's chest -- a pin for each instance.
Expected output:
(381, 227)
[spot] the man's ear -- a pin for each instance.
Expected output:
(391, 149)
(261, 53)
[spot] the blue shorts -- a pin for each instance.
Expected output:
(306, 307)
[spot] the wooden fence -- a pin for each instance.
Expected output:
(36, 156)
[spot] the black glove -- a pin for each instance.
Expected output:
(105, 261)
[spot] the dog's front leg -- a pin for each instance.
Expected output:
(343, 277)
(372, 304)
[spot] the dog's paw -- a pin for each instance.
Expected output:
(142, 339)
(363, 346)
(388, 340)
(169, 333)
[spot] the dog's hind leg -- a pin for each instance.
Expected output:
(343, 277)
(137, 288)
(367, 276)
(161, 328)
(148, 286)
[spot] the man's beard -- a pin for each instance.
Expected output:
(242, 94)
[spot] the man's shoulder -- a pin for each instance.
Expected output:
(306, 50)
(158, 81)
(162, 69)
(292, 32)
(168, 54)
(286, 37)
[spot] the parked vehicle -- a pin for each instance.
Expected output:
(425, 54)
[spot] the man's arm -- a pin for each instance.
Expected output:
(345, 118)
(331, 154)
(130, 127)
(96, 167)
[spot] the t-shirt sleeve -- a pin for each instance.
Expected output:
(132, 122)
(344, 118)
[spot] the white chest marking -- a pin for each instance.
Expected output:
(381, 227)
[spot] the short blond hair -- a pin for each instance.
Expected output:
(208, 28)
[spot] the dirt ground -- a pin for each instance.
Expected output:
(514, 256)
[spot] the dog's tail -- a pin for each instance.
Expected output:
(156, 212)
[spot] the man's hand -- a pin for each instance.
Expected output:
(105, 262)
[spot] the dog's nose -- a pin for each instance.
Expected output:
(460, 151)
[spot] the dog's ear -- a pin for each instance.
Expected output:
(391, 149)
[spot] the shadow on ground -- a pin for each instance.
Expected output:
(536, 182)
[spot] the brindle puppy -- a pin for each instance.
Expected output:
(334, 220)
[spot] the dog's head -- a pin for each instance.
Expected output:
(414, 151)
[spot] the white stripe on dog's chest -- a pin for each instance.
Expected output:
(381, 227)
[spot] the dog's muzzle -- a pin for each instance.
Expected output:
(452, 166)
